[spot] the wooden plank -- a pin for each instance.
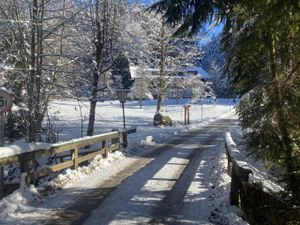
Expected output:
(90, 156)
(81, 143)
(63, 148)
(131, 130)
(114, 147)
(11, 159)
(51, 169)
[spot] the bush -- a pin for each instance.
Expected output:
(264, 208)
(160, 119)
(16, 125)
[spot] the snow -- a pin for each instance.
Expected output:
(65, 116)
(200, 71)
(148, 141)
(260, 173)
(235, 153)
(72, 141)
(18, 149)
(71, 176)
(31, 205)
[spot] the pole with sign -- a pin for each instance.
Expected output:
(122, 96)
(6, 102)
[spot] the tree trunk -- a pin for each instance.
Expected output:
(40, 101)
(286, 141)
(90, 129)
(31, 84)
(159, 100)
(161, 69)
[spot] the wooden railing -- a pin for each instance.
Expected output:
(238, 169)
(70, 154)
(261, 200)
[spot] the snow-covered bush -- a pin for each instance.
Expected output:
(160, 119)
(16, 126)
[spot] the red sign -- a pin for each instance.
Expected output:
(6, 101)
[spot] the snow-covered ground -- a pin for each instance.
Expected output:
(66, 117)
(29, 206)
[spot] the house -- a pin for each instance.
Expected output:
(189, 82)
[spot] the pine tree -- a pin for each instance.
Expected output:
(261, 44)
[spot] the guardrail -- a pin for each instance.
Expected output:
(238, 169)
(76, 150)
(259, 203)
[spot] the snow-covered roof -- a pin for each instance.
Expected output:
(200, 71)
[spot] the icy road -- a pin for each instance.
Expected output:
(176, 183)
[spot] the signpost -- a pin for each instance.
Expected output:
(6, 102)
(122, 96)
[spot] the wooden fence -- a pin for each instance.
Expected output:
(70, 154)
(260, 204)
(238, 169)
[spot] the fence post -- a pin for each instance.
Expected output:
(75, 158)
(24, 171)
(106, 149)
(124, 136)
(235, 188)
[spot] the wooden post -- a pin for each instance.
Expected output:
(75, 158)
(229, 168)
(106, 149)
(124, 143)
(235, 189)
(1, 144)
(25, 179)
(184, 114)
(188, 114)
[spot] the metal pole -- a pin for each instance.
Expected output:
(123, 115)
(1, 144)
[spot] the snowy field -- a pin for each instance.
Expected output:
(66, 117)
(29, 206)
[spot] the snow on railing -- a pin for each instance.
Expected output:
(26, 154)
(259, 197)
(238, 169)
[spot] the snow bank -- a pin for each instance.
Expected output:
(222, 212)
(260, 173)
(72, 176)
(18, 208)
(148, 141)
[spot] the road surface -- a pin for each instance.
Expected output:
(169, 185)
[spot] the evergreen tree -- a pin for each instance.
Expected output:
(261, 44)
(213, 62)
